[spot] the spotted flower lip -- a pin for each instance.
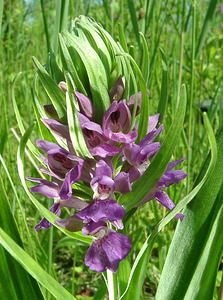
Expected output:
(117, 123)
(107, 252)
(104, 185)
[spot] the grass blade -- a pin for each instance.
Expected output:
(31, 266)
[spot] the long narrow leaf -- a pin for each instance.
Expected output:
(31, 266)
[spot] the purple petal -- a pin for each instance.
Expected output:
(153, 121)
(165, 200)
(122, 183)
(57, 127)
(85, 105)
(120, 137)
(71, 177)
(151, 136)
(131, 153)
(103, 169)
(148, 151)
(117, 122)
(44, 223)
(104, 150)
(87, 124)
(171, 177)
(73, 203)
(70, 223)
(45, 187)
(102, 210)
(134, 174)
(173, 164)
(107, 252)
(46, 146)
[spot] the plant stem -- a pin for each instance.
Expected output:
(111, 289)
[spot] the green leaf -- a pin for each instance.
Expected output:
(53, 91)
(19, 285)
(134, 20)
(164, 88)
(68, 65)
(158, 165)
(32, 267)
(208, 18)
(197, 244)
(96, 75)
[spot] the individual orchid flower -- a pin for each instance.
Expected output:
(63, 166)
(117, 123)
(103, 183)
(169, 177)
(139, 155)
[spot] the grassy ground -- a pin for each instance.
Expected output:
(190, 36)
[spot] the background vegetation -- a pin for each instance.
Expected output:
(184, 40)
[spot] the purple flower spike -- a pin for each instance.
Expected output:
(44, 223)
(102, 210)
(108, 251)
(117, 122)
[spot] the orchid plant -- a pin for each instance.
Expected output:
(101, 145)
